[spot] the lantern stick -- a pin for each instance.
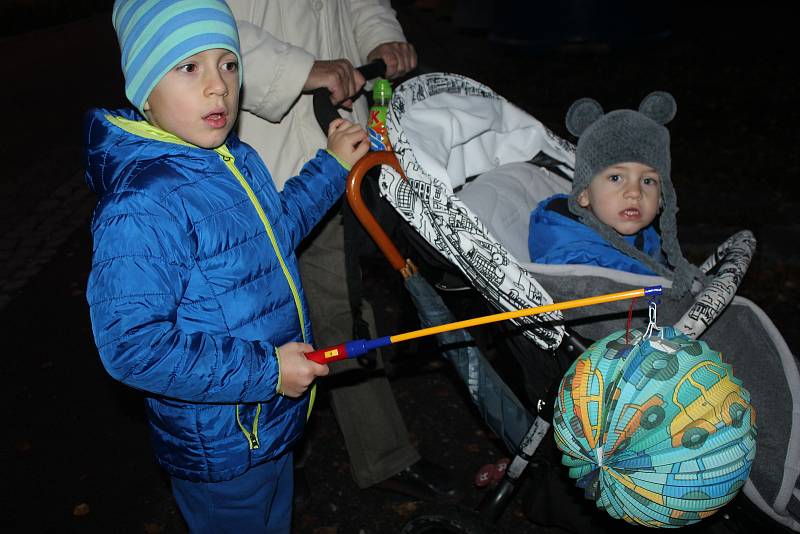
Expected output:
(355, 348)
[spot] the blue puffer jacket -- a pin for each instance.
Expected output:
(557, 238)
(194, 283)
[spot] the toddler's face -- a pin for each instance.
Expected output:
(625, 196)
(198, 100)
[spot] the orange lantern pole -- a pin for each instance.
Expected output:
(353, 349)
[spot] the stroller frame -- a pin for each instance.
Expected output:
(729, 262)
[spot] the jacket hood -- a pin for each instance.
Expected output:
(121, 141)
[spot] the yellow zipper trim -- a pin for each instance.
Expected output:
(148, 131)
(227, 157)
(311, 398)
(230, 162)
(252, 438)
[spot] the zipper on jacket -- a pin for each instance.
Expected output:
(227, 157)
(230, 162)
(147, 130)
(252, 437)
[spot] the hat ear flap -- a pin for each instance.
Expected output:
(659, 106)
(581, 114)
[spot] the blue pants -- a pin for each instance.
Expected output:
(259, 501)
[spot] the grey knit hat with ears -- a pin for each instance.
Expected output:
(625, 135)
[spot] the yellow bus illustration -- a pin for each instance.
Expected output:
(719, 403)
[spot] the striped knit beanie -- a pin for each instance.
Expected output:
(155, 35)
(605, 139)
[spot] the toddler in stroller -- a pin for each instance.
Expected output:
(621, 183)
(446, 128)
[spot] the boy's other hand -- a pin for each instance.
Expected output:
(400, 58)
(297, 372)
(347, 140)
(339, 77)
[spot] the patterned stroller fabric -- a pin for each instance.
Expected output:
(475, 166)
(656, 429)
(469, 129)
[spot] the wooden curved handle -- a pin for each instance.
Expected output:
(356, 201)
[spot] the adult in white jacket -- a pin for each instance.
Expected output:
(289, 48)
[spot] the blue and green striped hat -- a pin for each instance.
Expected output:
(155, 35)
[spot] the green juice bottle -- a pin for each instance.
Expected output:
(381, 94)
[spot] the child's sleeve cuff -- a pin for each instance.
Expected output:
(337, 158)
(278, 385)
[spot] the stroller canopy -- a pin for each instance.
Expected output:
(445, 128)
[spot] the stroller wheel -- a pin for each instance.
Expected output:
(448, 520)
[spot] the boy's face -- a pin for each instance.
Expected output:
(625, 196)
(198, 100)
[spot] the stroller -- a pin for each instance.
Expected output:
(469, 169)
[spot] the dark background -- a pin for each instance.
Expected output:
(75, 455)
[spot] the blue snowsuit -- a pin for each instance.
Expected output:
(194, 283)
(558, 237)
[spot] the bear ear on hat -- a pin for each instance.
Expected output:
(659, 106)
(582, 113)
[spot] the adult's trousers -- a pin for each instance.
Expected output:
(366, 410)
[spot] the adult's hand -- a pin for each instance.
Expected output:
(400, 58)
(339, 77)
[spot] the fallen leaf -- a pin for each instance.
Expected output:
(81, 510)
(405, 509)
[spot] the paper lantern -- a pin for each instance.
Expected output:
(656, 430)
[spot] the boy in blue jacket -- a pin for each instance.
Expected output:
(194, 292)
(621, 192)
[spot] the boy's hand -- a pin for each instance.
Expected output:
(347, 140)
(297, 372)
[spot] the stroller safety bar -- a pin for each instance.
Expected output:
(730, 262)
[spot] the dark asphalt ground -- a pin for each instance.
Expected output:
(75, 455)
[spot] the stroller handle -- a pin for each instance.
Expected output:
(325, 113)
(324, 110)
(365, 217)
